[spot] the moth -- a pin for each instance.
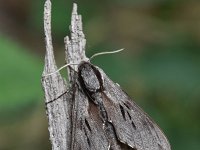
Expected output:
(104, 117)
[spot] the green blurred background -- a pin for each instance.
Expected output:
(159, 67)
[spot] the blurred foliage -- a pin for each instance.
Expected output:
(19, 79)
(19, 98)
(159, 67)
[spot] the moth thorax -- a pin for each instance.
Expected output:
(89, 78)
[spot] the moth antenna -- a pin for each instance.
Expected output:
(67, 65)
(103, 53)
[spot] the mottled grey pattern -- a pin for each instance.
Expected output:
(114, 121)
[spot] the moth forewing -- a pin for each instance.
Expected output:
(132, 125)
(122, 123)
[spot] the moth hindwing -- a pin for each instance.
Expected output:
(105, 117)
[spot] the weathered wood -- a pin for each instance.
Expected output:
(57, 94)
(55, 89)
(75, 44)
(81, 119)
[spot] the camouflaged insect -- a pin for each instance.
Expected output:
(104, 117)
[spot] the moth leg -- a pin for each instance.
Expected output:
(46, 103)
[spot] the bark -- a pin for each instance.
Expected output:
(57, 94)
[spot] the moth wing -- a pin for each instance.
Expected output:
(87, 129)
(132, 125)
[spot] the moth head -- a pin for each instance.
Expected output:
(89, 77)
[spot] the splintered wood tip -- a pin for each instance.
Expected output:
(74, 11)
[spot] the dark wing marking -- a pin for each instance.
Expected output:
(87, 129)
(132, 125)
